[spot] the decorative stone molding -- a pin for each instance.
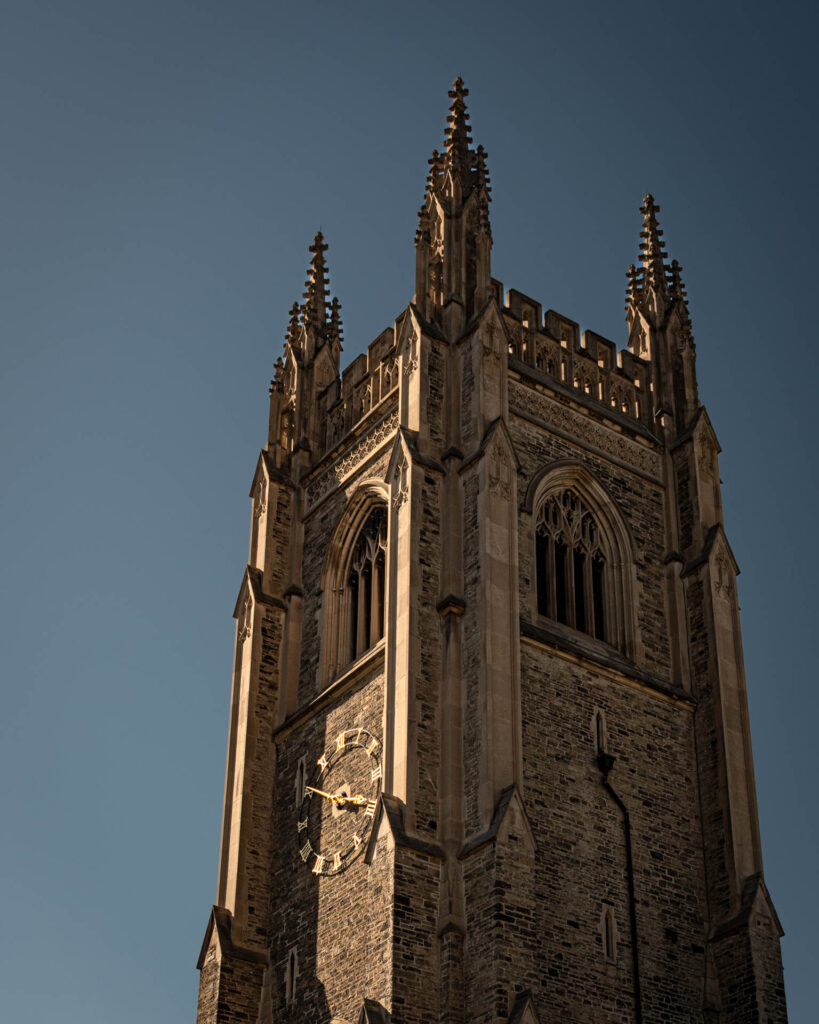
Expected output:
(724, 584)
(410, 350)
(260, 499)
(245, 619)
(400, 486)
(578, 426)
(492, 342)
(352, 460)
(705, 457)
(500, 472)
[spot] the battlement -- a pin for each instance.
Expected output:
(585, 364)
(363, 385)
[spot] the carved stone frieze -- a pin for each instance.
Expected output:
(352, 459)
(620, 447)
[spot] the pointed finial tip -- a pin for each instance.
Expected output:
(458, 90)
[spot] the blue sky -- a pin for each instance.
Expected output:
(164, 168)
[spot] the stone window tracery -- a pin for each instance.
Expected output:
(352, 615)
(571, 565)
(364, 586)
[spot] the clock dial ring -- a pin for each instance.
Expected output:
(351, 805)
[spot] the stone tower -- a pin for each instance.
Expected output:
(489, 757)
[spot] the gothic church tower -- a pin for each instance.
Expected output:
(489, 757)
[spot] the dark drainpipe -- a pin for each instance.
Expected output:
(605, 762)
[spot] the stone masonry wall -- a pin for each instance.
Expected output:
(428, 683)
(334, 922)
(581, 846)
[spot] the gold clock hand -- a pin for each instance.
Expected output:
(335, 797)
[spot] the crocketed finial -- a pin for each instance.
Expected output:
(335, 320)
(680, 297)
(315, 296)
(458, 138)
(295, 323)
(652, 251)
(633, 286)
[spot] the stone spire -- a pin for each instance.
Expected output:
(454, 238)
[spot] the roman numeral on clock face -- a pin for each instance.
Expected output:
(370, 811)
(305, 851)
(356, 841)
(375, 774)
(302, 825)
(372, 748)
(322, 762)
(318, 867)
(336, 862)
(341, 739)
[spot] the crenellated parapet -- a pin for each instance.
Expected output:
(363, 388)
(550, 349)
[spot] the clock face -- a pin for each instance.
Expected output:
(340, 802)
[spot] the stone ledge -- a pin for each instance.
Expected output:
(339, 686)
(394, 810)
(222, 920)
(585, 649)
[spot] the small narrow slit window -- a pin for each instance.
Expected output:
(600, 732)
(301, 781)
(290, 975)
(609, 935)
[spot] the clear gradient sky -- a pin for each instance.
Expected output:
(164, 167)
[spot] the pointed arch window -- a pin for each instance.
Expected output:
(572, 565)
(584, 562)
(364, 586)
(354, 583)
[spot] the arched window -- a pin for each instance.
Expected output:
(364, 586)
(571, 565)
(584, 573)
(354, 582)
